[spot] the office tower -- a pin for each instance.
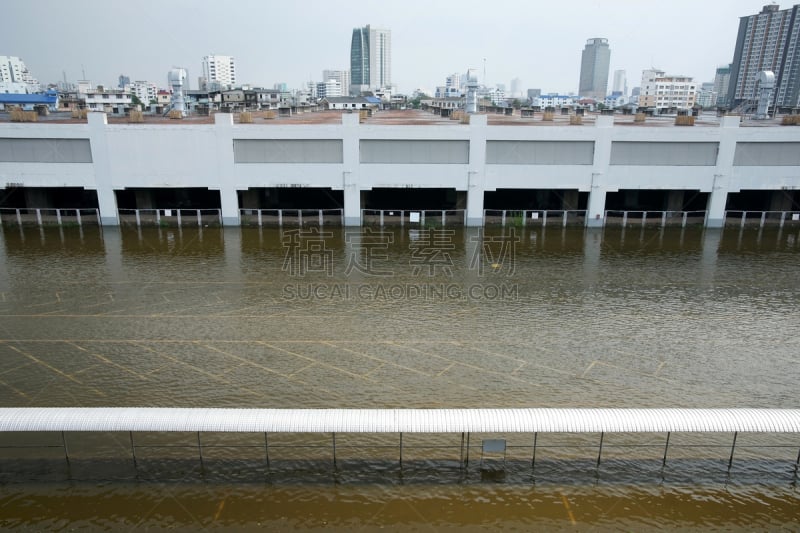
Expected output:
(620, 84)
(219, 71)
(370, 58)
(770, 41)
(722, 80)
(595, 59)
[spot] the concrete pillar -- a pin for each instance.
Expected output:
(675, 200)
(104, 183)
(595, 211)
(476, 171)
(350, 172)
(721, 183)
(229, 201)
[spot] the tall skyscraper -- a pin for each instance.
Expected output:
(370, 58)
(595, 59)
(620, 84)
(219, 71)
(769, 40)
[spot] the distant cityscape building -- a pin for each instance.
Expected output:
(663, 92)
(769, 41)
(453, 80)
(123, 81)
(722, 80)
(219, 72)
(15, 76)
(342, 76)
(595, 60)
(620, 84)
(554, 100)
(516, 88)
(145, 91)
(370, 59)
(328, 89)
(707, 96)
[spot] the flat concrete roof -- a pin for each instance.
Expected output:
(411, 117)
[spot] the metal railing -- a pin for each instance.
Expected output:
(291, 217)
(534, 217)
(163, 217)
(761, 218)
(50, 216)
(413, 217)
(520, 432)
(653, 218)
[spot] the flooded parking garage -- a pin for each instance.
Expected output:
(621, 317)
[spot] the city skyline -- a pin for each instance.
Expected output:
(541, 45)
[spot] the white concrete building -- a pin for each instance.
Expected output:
(15, 76)
(145, 91)
(110, 101)
(554, 100)
(342, 76)
(663, 92)
(219, 71)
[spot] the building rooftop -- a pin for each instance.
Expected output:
(405, 117)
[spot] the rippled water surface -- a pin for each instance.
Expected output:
(400, 318)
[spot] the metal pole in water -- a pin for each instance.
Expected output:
(624, 218)
(334, 449)
(78, 214)
(600, 451)
(138, 218)
(199, 220)
(783, 218)
(58, 216)
(266, 448)
(39, 217)
(462, 449)
(666, 447)
(733, 447)
(19, 218)
(533, 459)
(300, 217)
(200, 450)
(66, 450)
(179, 217)
(466, 458)
(644, 217)
(401, 450)
(763, 218)
(685, 215)
(443, 214)
(133, 449)
(380, 217)
(258, 212)
(744, 217)
(503, 223)
(663, 219)
(320, 218)
(280, 217)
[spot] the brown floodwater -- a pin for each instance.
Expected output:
(399, 317)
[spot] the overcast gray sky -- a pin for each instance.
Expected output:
(292, 42)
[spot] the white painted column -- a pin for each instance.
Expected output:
(476, 171)
(229, 202)
(98, 139)
(721, 184)
(350, 169)
(595, 210)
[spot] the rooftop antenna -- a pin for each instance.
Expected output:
(83, 70)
